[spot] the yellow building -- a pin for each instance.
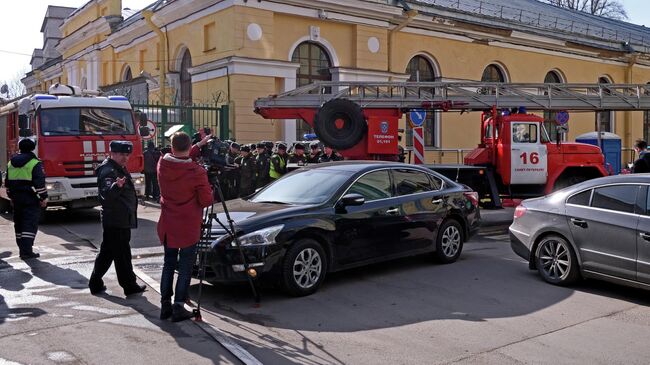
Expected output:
(234, 51)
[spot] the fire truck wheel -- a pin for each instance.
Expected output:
(340, 124)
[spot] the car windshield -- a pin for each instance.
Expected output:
(303, 187)
(85, 121)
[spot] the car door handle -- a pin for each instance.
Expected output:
(645, 236)
(579, 222)
(392, 211)
(436, 201)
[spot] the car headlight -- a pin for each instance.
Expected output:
(265, 236)
(139, 181)
(53, 187)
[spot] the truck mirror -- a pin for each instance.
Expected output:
(25, 132)
(23, 122)
(144, 131)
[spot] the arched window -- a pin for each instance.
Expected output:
(550, 123)
(127, 74)
(604, 119)
(493, 73)
(420, 69)
(315, 65)
(186, 79)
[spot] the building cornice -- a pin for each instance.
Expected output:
(97, 27)
(243, 66)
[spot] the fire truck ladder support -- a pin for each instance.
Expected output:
(466, 96)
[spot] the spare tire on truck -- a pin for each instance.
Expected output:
(340, 124)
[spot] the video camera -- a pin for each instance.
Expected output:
(213, 155)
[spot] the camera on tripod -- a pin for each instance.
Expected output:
(213, 155)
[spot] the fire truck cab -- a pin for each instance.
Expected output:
(72, 129)
(517, 147)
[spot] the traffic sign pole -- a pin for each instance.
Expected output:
(418, 145)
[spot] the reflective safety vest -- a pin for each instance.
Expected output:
(276, 174)
(24, 172)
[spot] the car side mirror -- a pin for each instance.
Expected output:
(352, 200)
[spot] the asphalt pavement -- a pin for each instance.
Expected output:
(47, 314)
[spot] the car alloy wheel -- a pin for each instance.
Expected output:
(307, 268)
(556, 261)
(449, 242)
(304, 267)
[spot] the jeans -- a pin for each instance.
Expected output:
(187, 257)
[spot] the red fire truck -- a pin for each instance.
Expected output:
(72, 129)
(515, 157)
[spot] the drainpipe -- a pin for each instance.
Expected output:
(410, 14)
(162, 38)
(629, 79)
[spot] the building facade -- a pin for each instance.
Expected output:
(234, 51)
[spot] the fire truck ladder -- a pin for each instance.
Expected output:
(466, 96)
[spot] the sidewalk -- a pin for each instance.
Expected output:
(47, 314)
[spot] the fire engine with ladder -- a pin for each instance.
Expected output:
(72, 129)
(515, 158)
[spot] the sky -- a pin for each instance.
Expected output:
(21, 23)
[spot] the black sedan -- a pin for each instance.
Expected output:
(334, 216)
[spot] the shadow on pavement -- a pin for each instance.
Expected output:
(408, 291)
(57, 275)
(185, 336)
(14, 280)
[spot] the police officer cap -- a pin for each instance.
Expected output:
(269, 145)
(235, 145)
(314, 145)
(299, 146)
(245, 148)
(261, 145)
(26, 145)
(121, 146)
(282, 146)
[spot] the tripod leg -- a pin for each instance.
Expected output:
(197, 311)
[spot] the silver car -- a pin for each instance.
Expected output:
(598, 229)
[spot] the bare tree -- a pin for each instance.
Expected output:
(15, 87)
(606, 8)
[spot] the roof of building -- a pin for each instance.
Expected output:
(544, 19)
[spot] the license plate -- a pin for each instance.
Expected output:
(90, 193)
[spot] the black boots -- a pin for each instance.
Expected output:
(29, 255)
(135, 289)
(166, 310)
(179, 313)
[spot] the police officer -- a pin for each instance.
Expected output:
(26, 188)
(246, 164)
(279, 162)
(329, 155)
(298, 156)
(119, 215)
(314, 152)
(262, 166)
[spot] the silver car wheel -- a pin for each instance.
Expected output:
(450, 241)
(307, 268)
(555, 259)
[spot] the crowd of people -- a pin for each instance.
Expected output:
(247, 167)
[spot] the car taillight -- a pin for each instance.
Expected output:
(472, 196)
(520, 211)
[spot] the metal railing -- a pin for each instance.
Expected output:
(192, 118)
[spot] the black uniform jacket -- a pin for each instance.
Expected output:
(27, 192)
(119, 205)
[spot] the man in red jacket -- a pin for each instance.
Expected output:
(184, 192)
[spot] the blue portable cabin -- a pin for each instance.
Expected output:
(610, 144)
